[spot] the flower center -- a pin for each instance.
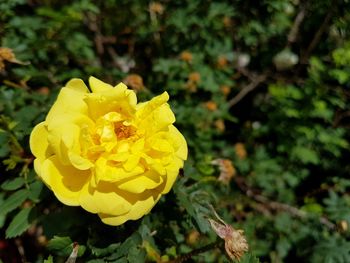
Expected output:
(123, 132)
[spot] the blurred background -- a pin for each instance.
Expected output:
(260, 90)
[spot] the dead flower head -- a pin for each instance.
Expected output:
(211, 105)
(134, 81)
(240, 150)
(194, 77)
(186, 56)
(156, 7)
(235, 243)
(222, 62)
(6, 54)
(227, 170)
(73, 256)
(225, 90)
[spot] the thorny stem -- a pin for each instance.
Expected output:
(189, 255)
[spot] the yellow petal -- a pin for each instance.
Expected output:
(172, 173)
(139, 209)
(107, 173)
(38, 141)
(98, 86)
(138, 146)
(162, 145)
(115, 100)
(77, 85)
(104, 199)
(137, 185)
(154, 115)
(79, 162)
(65, 181)
(131, 162)
(179, 142)
(63, 139)
(69, 102)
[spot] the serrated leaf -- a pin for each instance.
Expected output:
(99, 252)
(63, 246)
(136, 255)
(134, 240)
(60, 245)
(20, 223)
(35, 189)
(249, 258)
(14, 184)
(13, 201)
(305, 155)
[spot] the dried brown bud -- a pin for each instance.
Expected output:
(7, 54)
(44, 90)
(222, 62)
(134, 81)
(240, 150)
(220, 125)
(227, 21)
(156, 7)
(191, 87)
(225, 89)
(235, 243)
(192, 237)
(211, 105)
(343, 226)
(227, 170)
(194, 77)
(186, 56)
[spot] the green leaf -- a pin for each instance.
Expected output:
(63, 246)
(60, 245)
(104, 251)
(14, 201)
(249, 258)
(21, 222)
(12, 184)
(305, 155)
(136, 254)
(35, 189)
(49, 259)
(134, 241)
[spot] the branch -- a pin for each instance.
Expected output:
(293, 33)
(317, 37)
(250, 87)
(273, 205)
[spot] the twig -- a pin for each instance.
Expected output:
(273, 205)
(317, 37)
(251, 86)
(185, 257)
(339, 117)
(20, 249)
(293, 33)
(92, 21)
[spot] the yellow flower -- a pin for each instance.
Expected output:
(105, 152)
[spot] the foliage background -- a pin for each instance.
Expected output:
(262, 84)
